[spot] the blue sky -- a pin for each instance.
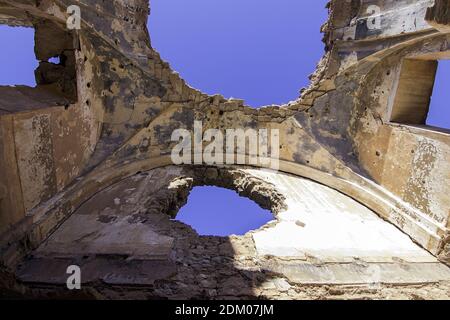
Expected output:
(439, 115)
(221, 212)
(17, 59)
(261, 51)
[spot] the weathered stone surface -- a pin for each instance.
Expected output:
(128, 227)
(85, 167)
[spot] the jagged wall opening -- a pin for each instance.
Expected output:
(213, 211)
(41, 72)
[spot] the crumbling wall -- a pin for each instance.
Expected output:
(128, 245)
(47, 136)
(337, 133)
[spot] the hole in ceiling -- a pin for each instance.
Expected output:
(17, 57)
(439, 113)
(214, 211)
(259, 51)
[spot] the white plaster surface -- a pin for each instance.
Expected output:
(321, 223)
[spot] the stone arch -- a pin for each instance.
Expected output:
(49, 216)
(124, 233)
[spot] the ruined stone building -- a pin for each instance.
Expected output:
(361, 198)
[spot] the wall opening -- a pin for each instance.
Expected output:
(214, 211)
(422, 95)
(37, 67)
(17, 57)
(259, 51)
